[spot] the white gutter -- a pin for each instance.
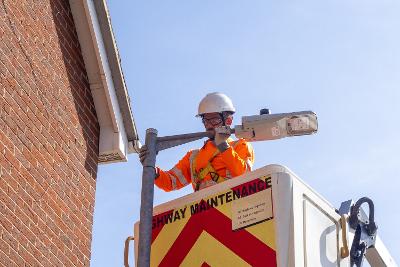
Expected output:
(118, 135)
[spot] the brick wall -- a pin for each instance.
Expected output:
(48, 138)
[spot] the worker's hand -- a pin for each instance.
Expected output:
(221, 134)
(143, 153)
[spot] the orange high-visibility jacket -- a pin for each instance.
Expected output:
(234, 161)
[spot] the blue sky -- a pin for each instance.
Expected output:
(340, 59)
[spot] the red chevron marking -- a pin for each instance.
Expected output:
(157, 229)
(241, 242)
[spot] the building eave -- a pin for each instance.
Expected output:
(118, 134)
(116, 69)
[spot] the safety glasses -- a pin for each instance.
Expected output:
(213, 121)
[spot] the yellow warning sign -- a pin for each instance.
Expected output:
(234, 227)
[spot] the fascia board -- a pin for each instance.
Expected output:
(116, 69)
(114, 143)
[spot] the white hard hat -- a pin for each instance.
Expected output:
(215, 102)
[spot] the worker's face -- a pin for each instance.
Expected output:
(214, 120)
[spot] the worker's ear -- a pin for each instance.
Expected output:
(229, 120)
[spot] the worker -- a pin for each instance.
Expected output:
(220, 158)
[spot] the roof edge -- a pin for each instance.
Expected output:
(118, 134)
(114, 61)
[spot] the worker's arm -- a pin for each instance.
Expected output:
(177, 177)
(238, 158)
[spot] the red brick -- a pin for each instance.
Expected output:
(48, 138)
(5, 223)
(4, 246)
(28, 258)
(5, 259)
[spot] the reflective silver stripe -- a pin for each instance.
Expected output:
(249, 165)
(191, 160)
(228, 174)
(180, 176)
(173, 181)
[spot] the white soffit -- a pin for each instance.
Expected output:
(118, 134)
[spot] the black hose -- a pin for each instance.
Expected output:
(370, 226)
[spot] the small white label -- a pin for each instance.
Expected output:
(252, 209)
